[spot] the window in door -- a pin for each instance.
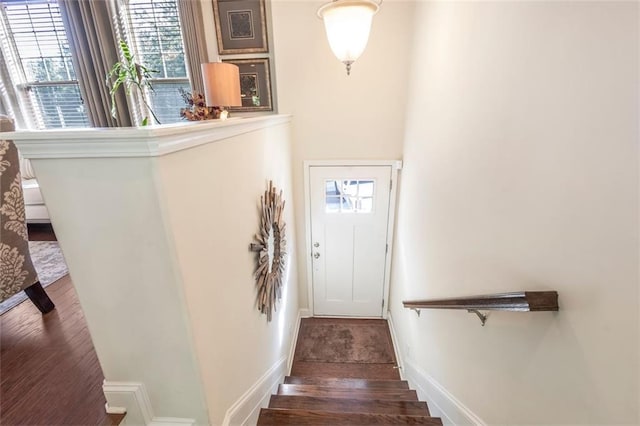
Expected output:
(349, 195)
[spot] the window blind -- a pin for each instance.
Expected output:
(42, 70)
(156, 38)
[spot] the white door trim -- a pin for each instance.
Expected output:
(396, 165)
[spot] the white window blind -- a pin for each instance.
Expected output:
(34, 43)
(154, 29)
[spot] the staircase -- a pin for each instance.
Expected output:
(329, 393)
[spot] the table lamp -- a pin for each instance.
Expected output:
(221, 86)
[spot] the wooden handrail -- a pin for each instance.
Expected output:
(523, 301)
(516, 301)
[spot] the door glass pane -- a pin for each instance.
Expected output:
(347, 205)
(365, 188)
(349, 195)
(332, 205)
(332, 188)
(350, 187)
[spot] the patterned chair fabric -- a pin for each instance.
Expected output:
(16, 268)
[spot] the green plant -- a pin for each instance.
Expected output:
(130, 74)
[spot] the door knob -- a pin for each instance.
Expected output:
(316, 255)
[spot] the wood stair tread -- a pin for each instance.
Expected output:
(347, 383)
(276, 416)
(349, 405)
(350, 393)
(320, 391)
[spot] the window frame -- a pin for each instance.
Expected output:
(127, 32)
(18, 90)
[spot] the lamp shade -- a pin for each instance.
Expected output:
(221, 84)
(348, 23)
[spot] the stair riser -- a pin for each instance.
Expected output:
(348, 383)
(311, 417)
(410, 408)
(322, 391)
(346, 370)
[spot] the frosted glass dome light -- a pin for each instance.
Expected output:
(348, 23)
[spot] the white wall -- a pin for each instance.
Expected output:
(213, 215)
(336, 116)
(109, 223)
(521, 172)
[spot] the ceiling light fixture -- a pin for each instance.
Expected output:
(348, 23)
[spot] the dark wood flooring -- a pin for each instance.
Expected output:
(352, 370)
(41, 232)
(49, 371)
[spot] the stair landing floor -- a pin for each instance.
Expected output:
(345, 348)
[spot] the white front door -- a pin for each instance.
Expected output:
(349, 216)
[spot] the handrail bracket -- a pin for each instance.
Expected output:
(483, 317)
(416, 310)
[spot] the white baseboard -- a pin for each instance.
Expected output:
(302, 313)
(396, 345)
(441, 402)
(171, 421)
(132, 398)
(246, 409)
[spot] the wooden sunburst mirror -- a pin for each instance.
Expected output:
(270, 249)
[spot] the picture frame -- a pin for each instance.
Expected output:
(255, 84)
(241, 26)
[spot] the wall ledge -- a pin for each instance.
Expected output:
(125, 142)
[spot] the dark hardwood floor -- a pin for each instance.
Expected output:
(49, 371)
(349, 369)
(41, 232)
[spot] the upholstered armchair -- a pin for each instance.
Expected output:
(16, 268)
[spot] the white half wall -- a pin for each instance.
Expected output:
(213, 212)
(521, 173)
(336, 116)
(155, 224)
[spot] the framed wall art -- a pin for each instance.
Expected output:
(241, 26)
(255, 84)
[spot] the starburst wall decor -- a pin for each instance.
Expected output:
(271, 251)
